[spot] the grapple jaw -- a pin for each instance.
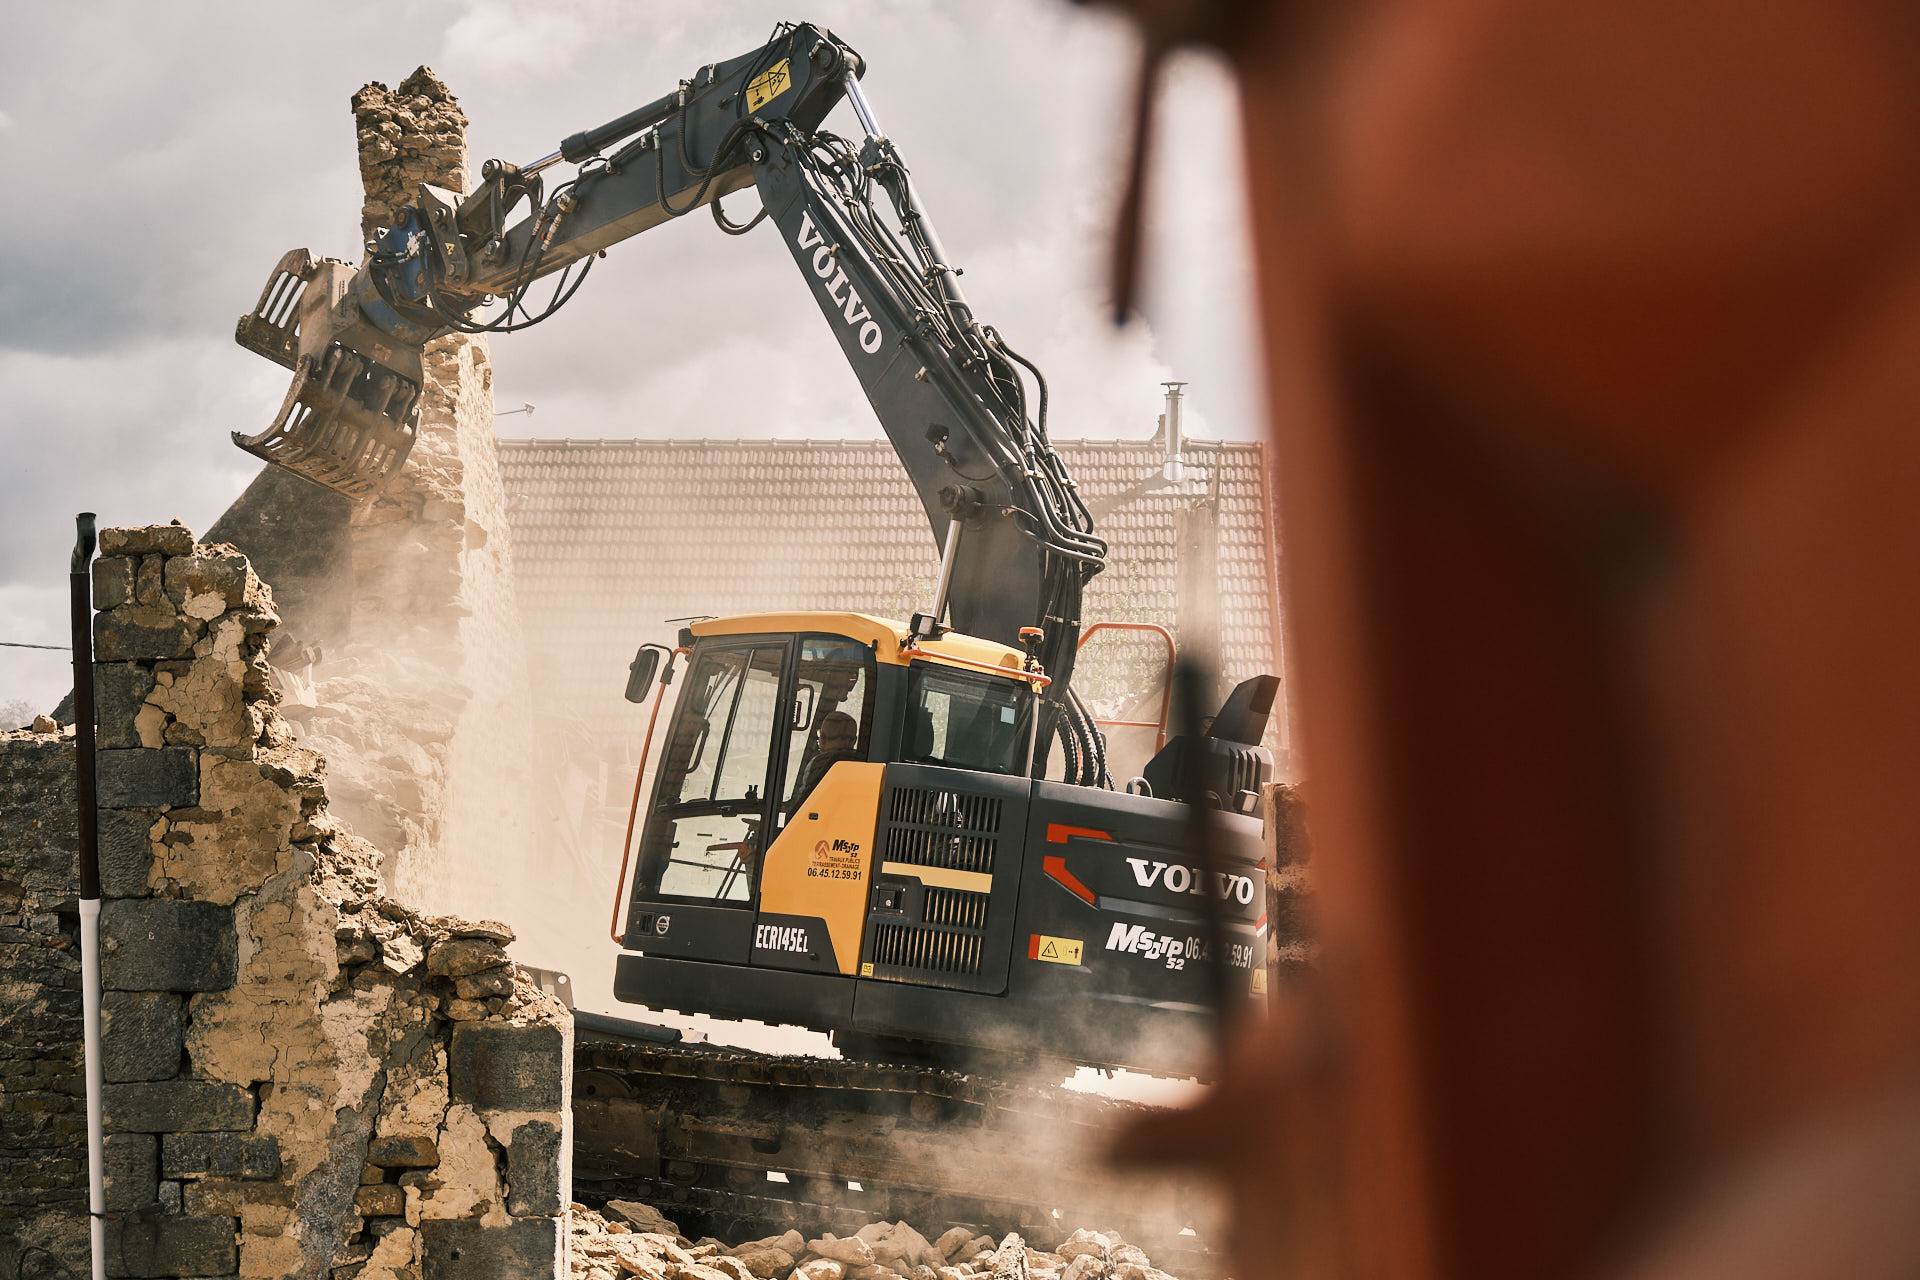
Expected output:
(350, 418)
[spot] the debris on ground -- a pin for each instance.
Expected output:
(632, 1239)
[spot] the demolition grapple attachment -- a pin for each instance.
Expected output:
(350, 417)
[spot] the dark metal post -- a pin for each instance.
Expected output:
(80, 593)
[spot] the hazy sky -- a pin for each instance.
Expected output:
(166, 155)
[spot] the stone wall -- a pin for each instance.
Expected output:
(43, 1138)
(304, 1077)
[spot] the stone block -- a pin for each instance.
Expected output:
(147, 581)
(139, 1036)
(133, 631)
(158, 1244)
(118, 690)
(463, 957)
(140, 540)
(177, 1106)
(224, 1197)
(216, 571)
(507, 1068)
(130, 1171)
(490, 982)
(381, 1200)
(158, 944)
(112, 581)
(126, 852)
(151, 777)
(533, 1170)
(403, 1151)
(220, 1155)
(456, 1249)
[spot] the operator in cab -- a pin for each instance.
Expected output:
(835, 738)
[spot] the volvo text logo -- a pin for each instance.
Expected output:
(826, 266)
(1176, 877)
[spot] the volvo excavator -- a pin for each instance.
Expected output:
(850, 826)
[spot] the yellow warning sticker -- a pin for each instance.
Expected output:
(866, 969)
(1260, 981)
(769, 84)
(1055, 950)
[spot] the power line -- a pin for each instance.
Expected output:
(16, 644)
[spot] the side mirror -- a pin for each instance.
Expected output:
(641, 671)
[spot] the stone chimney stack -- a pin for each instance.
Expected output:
(410, 135)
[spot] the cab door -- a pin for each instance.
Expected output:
(714, 805)
(814, 888)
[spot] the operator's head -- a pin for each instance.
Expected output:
(837, 733)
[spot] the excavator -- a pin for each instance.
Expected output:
(850, 827)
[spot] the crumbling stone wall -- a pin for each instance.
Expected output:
(303, 1077)
(43, 1135)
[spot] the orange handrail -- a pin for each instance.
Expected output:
(633, 809)
(1166, 686)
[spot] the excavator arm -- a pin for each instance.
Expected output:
(966, 414)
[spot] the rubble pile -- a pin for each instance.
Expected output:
(303, 1076)
(632, 1239)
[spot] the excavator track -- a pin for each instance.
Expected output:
(738, 1145)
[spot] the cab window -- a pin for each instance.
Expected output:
(707, 828)
(832, 713)
(965, 721)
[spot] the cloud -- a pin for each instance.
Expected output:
(35, 614)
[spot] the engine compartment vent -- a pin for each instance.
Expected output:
(931, 827)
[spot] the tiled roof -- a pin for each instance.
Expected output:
(611, 538)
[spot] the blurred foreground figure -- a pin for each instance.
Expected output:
(1591, 336)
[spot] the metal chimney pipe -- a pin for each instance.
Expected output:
(1173, 437)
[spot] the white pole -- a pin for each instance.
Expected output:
(90, 1012)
